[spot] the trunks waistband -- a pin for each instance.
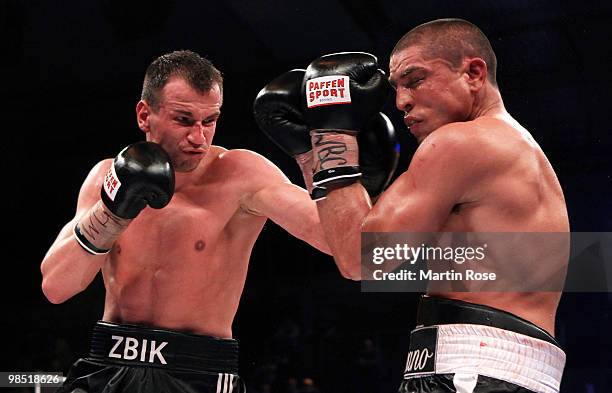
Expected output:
(469, 350)
(133, 345)
(442, 311)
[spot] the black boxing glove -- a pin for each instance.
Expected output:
(343, 91)
(140, 175)
(378, 154)
(278, 113)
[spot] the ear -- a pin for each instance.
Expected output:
(476, 71)
(143, 110)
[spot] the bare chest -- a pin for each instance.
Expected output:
(186, 223)
(188, 235)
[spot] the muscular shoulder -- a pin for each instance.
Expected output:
(242, 157)
(90, 189)
(95, 178)
(251, 165)
(248, 168)
(484, 142)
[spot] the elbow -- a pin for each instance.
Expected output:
(53, 292)
(351, 275)
(349, 270)
(324, 248)
(49, 288)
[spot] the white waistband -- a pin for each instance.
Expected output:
(497, 353)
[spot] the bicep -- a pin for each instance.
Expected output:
(284, 203)
(403, 207)
(271, 194)
(422, 198)
(89, 194)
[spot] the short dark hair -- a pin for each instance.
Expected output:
(200, 73)
(452, 40)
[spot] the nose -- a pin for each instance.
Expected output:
(403, 100)
(197, 136)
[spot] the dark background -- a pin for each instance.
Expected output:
(72, 73)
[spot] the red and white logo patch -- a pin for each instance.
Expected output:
(111, 183)
(328, 90)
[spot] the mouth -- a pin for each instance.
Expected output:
(410, 121)
(195, 152)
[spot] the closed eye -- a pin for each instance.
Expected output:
(184, 120)
(413, 83)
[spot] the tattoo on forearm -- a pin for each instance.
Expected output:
(330, 153)
(332, 150)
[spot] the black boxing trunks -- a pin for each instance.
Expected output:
(463, 347)
(129, 358)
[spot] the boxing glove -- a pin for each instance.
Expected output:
(278, 112)
(342, 91)
(140, 175)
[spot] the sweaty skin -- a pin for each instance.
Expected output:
(476, 170)
(183, 267)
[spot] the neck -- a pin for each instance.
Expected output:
(488, 103)
(185, 179)
(182, 179)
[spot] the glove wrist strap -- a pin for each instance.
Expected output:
(98, 229)
(305, 161)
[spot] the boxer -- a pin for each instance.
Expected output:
(170, 223)
(476, 170)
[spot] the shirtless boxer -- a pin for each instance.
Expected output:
(476, 170)
(173, 276)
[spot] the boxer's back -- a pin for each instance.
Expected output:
(519, 193)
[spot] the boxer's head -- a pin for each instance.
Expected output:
(180, 104)
(438, 70)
